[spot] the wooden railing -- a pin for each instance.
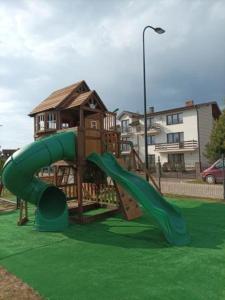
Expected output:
(110, 121)
(111, 142)
(102, 193)
(70, 190)
(137, 159)
(176, 146)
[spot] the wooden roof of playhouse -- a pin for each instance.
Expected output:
(73, 96)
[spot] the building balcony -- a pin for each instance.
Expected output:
(186, 146)
(126, 130)
(152, 129)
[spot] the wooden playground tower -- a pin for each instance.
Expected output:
(77, 108)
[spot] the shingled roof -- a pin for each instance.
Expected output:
(59, 97)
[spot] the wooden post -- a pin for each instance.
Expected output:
(21, 212)
(35, 123)
(223, 164)
(80, 162)
(26, 211)
(101, 121)
(133, 160)
(23, 216)
(58, 121)
(55, 175)
(45, 120)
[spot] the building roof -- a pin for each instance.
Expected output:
(215, 110)
(129, 113)
(57, 98)
(83, 98)
(8, 152)
(80, 99)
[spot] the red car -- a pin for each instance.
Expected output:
(214, 174)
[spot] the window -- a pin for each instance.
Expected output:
(125, 125)
(219, 164)
(176, 137)
(176, 159)
(149, 122)
(174, 119)
(151, 140)
(94, 124)
(92, 103)
(40, 122)
(151, 160)
(125, 147)
(65, 125)
(51, 121)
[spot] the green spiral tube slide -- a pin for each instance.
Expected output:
(18, 176)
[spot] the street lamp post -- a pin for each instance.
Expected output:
(159, 31)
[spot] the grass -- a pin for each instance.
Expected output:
(116, 259)
(197, 181)
(200, 181)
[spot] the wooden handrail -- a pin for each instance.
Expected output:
(146, 170)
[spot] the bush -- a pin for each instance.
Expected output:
(216, 145)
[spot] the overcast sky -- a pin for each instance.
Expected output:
(46, 45)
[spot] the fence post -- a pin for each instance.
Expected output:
(223, 176)
(197, 170)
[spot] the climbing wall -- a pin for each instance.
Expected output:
(129, 206)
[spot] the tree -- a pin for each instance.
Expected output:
(216, 145)
(1, 165)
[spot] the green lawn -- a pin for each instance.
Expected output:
(116, 259)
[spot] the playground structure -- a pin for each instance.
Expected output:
(77, 160)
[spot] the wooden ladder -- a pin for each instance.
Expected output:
(129, 206)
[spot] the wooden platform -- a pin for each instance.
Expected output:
(92, 211)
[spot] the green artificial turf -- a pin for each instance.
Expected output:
(116, 259)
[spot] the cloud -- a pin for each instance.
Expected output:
(7, 100)
(46, 45)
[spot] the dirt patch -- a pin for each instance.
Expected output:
(6, 206)
(13, 288)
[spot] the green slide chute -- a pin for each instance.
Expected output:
(18, 177)
(168, 217)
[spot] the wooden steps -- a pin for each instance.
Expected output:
(94, 215)
(86, 207)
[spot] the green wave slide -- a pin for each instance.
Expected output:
(167, 216)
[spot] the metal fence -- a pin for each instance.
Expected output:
(188, 183)
(192, 189)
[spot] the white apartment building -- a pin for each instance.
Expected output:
(175, 136)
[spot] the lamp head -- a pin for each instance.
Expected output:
(116, 110)
(159, 30)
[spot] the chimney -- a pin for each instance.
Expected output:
(189, 103)
(151, 109)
